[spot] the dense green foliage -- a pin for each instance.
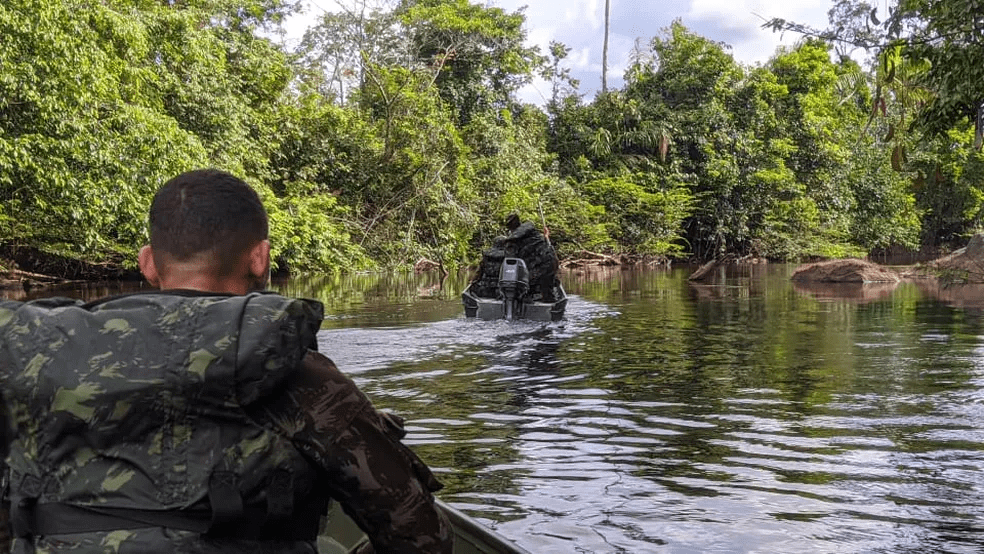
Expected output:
(101, 102)
(393, 133)
(925, 87)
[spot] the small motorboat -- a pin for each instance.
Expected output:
(343, 536)
(511, 300)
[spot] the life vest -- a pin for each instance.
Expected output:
(533, 247)
(132, 412)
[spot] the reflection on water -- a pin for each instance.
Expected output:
(374, 300)
(958, 296)
(749, 414)
(856, 292)
(85, 290)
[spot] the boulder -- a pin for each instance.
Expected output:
(965, 265)
(975, 248)
(851, 270)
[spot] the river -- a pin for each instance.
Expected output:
(747, 415)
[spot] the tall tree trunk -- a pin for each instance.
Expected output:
(604, 50)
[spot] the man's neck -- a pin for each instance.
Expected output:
(177, 278)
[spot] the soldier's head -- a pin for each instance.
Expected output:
(512, 222)
(208, 231)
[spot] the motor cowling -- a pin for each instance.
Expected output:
(514, 282)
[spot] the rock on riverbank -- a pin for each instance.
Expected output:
(850, 270)
(965, 265)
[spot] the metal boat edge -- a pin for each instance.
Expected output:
(493, 308)
(342, 536)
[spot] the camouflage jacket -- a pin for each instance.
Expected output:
(528, 243)
(486, 280)
(173, 389)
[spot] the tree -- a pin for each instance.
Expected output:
(681, 93)
(79, 105)
(948, 184)
(604, 49)
(926, 72)
(417, 200)
(562, 84)
(336, 51)
(839, 151)
(477, 54)
(942, 37)
(100, 104)
(644, 211)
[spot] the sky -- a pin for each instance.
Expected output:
(580, 24)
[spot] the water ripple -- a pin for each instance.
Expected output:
(668, 423)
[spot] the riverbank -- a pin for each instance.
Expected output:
(29, 268)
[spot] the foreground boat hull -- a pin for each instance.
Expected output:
(492, 308)
(343, 536)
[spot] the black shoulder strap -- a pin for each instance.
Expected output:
(225, 499)
(29, 518)
(187, 293)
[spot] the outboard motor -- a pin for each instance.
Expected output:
(514, 281)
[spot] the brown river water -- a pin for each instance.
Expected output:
(748, 415)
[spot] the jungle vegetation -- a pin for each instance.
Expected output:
(393, 132)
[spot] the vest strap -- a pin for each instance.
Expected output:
(224, 498)
(29, 519)
(280, 495)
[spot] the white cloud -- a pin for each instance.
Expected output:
(579, 24)
(739, 23)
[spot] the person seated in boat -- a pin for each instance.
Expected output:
(486, 281)
(526, 242)
(198, 417)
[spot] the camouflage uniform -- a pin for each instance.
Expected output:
(5, 537)
(529, 244)
(186, 422)
(486, 283)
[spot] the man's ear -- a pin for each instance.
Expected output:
(148, 267)
(259, 262)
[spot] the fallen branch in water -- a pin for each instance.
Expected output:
(424, 264)
(18, 279)
(585, 257)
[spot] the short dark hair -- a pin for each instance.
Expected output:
(512, 222)
(207, 211)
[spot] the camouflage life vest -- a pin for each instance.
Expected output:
(131, 412)
(487, 280)
(529, 244)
